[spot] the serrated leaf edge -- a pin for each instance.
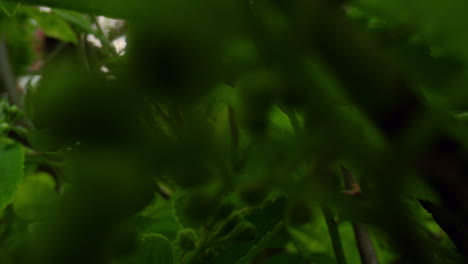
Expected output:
(254, 249)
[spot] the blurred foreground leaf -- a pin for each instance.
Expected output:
(11, 171)
(55, 26)
(9, 8)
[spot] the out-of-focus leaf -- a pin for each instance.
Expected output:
(440, 22)
(287, 258)
(11, 171)
(280, 122)
(85, 25)
(194, 208)
(118, 8)
(55, 26)
(75, 19)
(321, 258)
(310, 239)
(227, 95)
(19, 33)
(267, 220)
(36, 198)
(9, 8)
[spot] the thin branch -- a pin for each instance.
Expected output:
(366, 248)
(334, 235)
(83, 50)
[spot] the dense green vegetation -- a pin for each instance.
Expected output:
(233, 131)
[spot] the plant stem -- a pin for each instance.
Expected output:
(331, 224)
(83, 50)
(366, 248)
(334, 235)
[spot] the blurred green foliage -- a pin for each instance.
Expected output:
(218, 133)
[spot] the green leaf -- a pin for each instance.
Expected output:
(256, 249)
(84, 24)
(268, 220)
(193, 208)
(288, 258)
(156, 249)
(55, 26)
(187, 239)
(19, 34)
(152, 248)
(321, 258)
(9, 8)
(11, 171)
(114, 8)
(158, 218)
(76, 19)
(280, 122)
(36, 198)
(309, 239)
(442, 23)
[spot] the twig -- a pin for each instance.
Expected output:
(334, 235)
(7, 75)
(83, 50)
(366, 248)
